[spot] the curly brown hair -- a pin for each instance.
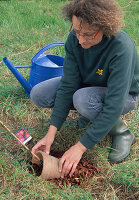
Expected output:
(106, 14)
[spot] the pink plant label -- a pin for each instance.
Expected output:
(23, 135)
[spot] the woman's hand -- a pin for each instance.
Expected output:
(45, 143)
(70, 159)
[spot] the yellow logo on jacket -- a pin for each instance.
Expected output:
(100, 71)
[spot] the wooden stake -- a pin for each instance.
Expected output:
(5, 127)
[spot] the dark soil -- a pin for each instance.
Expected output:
(34, 168)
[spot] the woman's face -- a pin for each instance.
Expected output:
(87, 35)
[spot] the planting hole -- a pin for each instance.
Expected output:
(84, 171)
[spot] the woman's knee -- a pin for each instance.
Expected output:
(89, 101)
(39, 98)
(44, 93)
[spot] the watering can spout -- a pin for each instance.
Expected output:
(18, 75)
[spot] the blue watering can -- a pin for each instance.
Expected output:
(43, 67)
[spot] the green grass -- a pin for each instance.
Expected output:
(26, 27)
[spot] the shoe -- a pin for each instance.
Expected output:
(122, 139)
(82, 122)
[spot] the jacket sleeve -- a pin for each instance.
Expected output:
(69, 84)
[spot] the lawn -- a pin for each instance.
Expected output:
(26, 27)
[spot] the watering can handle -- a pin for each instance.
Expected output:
(45, 48)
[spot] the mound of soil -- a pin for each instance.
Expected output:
(84, 171)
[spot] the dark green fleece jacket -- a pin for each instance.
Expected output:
(113, 63)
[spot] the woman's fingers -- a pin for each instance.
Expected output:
(73, 169)
(70, 159)
(61, 164)
(43, 145)
(35, 148)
